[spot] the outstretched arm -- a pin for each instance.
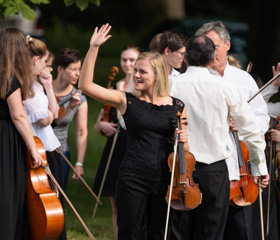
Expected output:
(111, 97)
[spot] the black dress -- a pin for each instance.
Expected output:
(13, 176)
(144, 174)
(109, 187)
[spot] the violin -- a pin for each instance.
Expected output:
(185, 193)
(61, 110)
(46, 216)
(107, 117)
(243, 192)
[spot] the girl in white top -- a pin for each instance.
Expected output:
(43, 108)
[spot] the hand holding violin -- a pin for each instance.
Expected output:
(75, 100)
(108, 128)
(183, 137)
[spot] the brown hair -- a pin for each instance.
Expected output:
(36, 47)
(66, 56)
(15, 61)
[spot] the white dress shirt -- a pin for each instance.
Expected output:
(273, 108)
(37, 108)
(174, 73)
(248, 87)
(209, 103)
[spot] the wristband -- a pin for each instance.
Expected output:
(79, 164)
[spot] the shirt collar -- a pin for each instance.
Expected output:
(214, 72)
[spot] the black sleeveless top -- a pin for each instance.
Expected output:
(150, 138)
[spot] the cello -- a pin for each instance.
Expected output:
(46, 216)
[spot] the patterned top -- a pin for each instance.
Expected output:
(150, 133)
(62, 130)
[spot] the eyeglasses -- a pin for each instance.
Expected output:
(181, 53)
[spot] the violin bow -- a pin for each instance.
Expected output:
(70, 204)
(171, 186)
(106, 169)
(79, 176)
(271, 144)
(249, 67)
(261, 208)
(263, 87)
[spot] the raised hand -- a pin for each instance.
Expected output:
(276, 71)
(100, 35)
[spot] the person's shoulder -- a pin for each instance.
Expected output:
(237, 71)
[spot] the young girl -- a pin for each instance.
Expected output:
(150, 121)
(43, 108)
(16, 134)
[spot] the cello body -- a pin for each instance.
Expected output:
(243, 192)
(46, 216)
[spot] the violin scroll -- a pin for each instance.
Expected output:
(107, 108)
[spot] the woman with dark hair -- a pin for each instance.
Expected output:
(68, 65)
(15, 131)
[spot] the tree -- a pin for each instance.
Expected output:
(27, 8)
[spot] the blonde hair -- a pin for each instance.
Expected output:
(234, 61)
(15, 61)
(158, 65)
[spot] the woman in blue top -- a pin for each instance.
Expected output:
(150, 117)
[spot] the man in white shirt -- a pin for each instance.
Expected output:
(210, 103)
(239, 221)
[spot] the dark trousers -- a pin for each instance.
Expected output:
(207, 221)
(140, 201)
(239, 223)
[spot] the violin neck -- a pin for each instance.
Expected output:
(181, 158)
(239, 150)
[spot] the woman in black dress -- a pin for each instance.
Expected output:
(16, 134)
(150, 117)
(129, 55)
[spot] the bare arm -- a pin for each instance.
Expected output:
(46, 80)
(46, 121)
(21, 122)
(111, 97)
(81, 136)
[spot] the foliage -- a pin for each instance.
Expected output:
(27, 8)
